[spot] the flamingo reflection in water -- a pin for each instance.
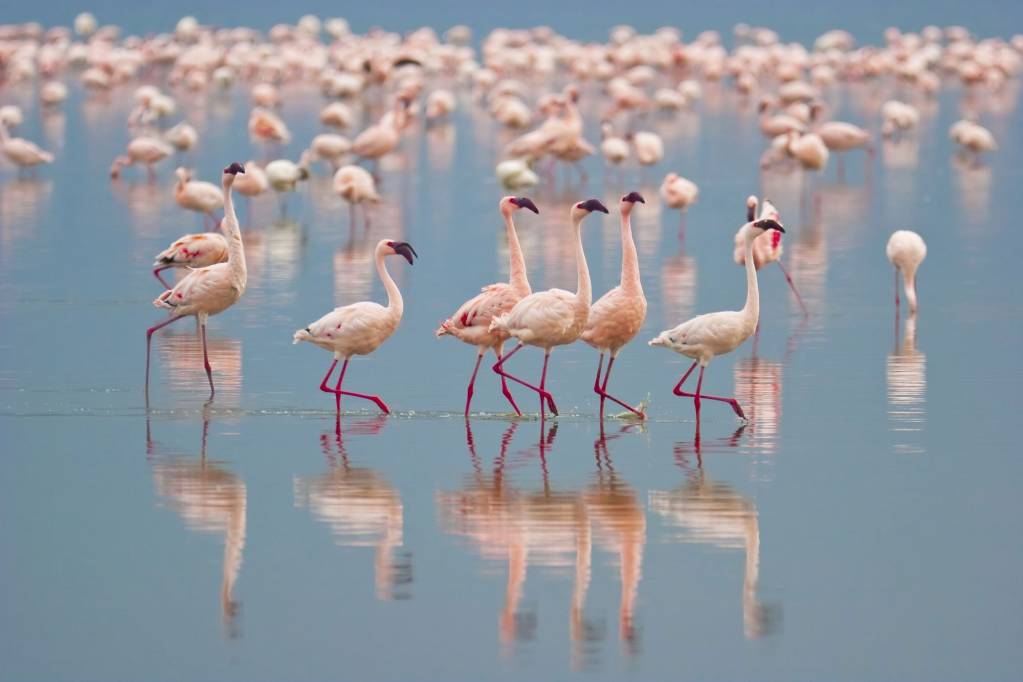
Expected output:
(551, 529)
(711, 513)
(361, 508)
(210, 499)
(906, 375)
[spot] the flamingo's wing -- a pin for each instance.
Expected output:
(191, 247)
(547, 312)
(478, 311)
(197, 286)
(355, 320)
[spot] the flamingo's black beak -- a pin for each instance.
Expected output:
(404, 249)
(593, 205)
(633, 197)
(769, 224)
(525, 202)
(235, 168)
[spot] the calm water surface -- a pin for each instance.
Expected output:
(865, 523)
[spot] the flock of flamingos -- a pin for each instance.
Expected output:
(633, 74)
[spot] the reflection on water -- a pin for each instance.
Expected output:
(758, 387)
(973, 184)
(21, 201)
(181, 363)
(906, 374)
(361, 508)
(210, 499)
(707, 512)
(551, 529)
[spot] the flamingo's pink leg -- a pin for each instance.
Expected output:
(337, 389)
(543, 383)
(472, 383)
(604, 394)
(698, 395)
(499, 368)
(792, 286)
(596, 387)
(156, 273)
(896, 289)
(504, 385)
(149, 339)
(206, 359)
(338, 393)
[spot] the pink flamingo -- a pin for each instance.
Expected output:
(210, 290)
(617, 316)
(471, 322)
(767, 248)
(554, 317)
(707, 336)
(142, 150)
(191, 251)
(360, 328)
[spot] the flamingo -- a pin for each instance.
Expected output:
(972, 137)
(906, 250)
(330, 148)
(197, 195)
(191, 251)
(678, 192)
(767, 248)
(649, 147)
(337, 114)
(614, 147)
(471, 322)
(554, 317)
(382, 138)
(144, 150)
(439, 104)
(182, 136)
(706, 336)
(617, 316)
(356, 186)
(284, 175)
(266, 126)
(210, 290)
(360, 328)
(253, 182)
(21, 152)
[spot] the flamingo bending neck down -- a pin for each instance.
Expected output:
(210, 290)
(906, 250)
(554, 317)
(617, 317)
(360, 328)
(706, 336)
(471, 322)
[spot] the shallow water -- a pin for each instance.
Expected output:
(864, 524)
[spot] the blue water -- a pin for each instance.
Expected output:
(865, 523)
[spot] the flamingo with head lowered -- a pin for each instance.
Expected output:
(360, 328)
(471, 322)
(554, 317)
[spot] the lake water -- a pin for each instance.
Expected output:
(865, 524)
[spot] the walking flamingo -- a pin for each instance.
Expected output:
(197, 195)
(767, 248)
(906, 250)
(554, 317)
(191, 251)
(210, 290)
(706, 336)
(360, 328)
(617, 316)
(471, 322)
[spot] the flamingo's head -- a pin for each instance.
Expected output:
(516, 203)
(629, 201)
(591, 205)
(402, 249)
(763, 225)
(234, 169)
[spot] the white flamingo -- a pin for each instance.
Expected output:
(706, 336)
(554, 317)
(360, 328)
(906, 250)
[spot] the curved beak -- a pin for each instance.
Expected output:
(633, 197)
(526, 202)
(405, 249)
(594, 205)
(769, 224)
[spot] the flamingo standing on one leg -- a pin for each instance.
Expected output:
(617, 316)
(767, 248)
(210, 290)
(360, 328)
(554, 317)
(906, 250)
(471, 322)
(706, 336)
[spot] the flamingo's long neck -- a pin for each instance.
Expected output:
(751, 311)
(516, 261)
(584, 292)
(395, 304)
(631, 281)
(909, 283)
(233, 234)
